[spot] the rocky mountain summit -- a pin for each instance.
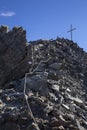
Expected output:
(43, 85)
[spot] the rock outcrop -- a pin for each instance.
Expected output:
(55, 89)
(13, 52)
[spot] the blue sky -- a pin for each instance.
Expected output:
(47, 19)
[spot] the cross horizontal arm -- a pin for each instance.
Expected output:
(71, 30)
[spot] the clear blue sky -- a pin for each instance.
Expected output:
(46, 19)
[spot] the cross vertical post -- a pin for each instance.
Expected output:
(71, 30)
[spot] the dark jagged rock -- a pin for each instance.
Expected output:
(13, 53)
(56, 88)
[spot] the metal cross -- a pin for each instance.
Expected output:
(71, 30)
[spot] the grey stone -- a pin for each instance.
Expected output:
(38, 84)
(33, 127)
(79, 126)
(55, 87)
(56, 66)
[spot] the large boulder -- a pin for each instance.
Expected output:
(13, 52)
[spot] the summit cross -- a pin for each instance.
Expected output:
(71, 30)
